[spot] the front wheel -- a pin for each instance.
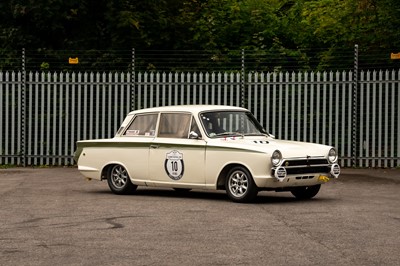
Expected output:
(240, 185)
(119, 182)
(305, 192)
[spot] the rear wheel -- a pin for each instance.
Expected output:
(240, 186)
(118, 180)
(305, 192)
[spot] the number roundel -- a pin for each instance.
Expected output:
(174, 166)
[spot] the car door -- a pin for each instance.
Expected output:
(135, 144)
(176, 159)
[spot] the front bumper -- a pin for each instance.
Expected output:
(297, 172)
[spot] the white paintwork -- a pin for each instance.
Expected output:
(203, 159)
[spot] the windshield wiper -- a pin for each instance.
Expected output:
(256, 134)
(229, 134)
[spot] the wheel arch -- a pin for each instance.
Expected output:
(107, 168)
(224, 173)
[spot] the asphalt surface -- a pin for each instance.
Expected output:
(52, 216)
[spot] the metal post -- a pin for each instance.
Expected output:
(355, 103)
(133, 81)
(23, 110)
(242, 87)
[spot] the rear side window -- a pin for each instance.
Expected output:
(142, 125)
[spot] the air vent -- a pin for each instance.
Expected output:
(261, 142)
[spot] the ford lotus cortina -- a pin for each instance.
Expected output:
(205, 147)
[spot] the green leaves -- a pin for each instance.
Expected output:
(284, 27)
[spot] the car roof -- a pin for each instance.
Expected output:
(195, 109)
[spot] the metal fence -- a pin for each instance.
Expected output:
(43, 114)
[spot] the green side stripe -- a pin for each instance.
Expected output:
(136, 145)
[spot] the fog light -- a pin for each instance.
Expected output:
(280, 173)
(335, 170)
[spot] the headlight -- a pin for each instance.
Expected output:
(276, 158)
(332, 156)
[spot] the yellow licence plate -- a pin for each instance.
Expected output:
(323, 178)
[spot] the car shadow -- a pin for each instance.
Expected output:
(262, 198)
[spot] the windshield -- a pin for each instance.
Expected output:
(231, 123)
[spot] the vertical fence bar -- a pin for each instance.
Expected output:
(262, 104)
(367, 119)
(7, 120)
(386, 131)
(299, 89)
(14, 105)
(43, 115)
(398, 124)
(36, 119)
(392, 121)
(23, 110)
(330, 100)
(72, 133)
(66, 116)
(318, 116)
(1, 117)
(362, 107)
(19, 116)
(274, 76)
(349, 119)
(338, 88)
(311, 131)
(355, 103)
(280, 119)
(373, 117)
(164, 89)
(242, 87)
(158, 94)
(249, 92)
(293, 104)
(151, 85)
(60, 115)
(133, 82)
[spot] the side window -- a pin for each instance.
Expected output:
(174, 125)
(142, 125)
(194, 127)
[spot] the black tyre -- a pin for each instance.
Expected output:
(119, 182)
(306, 192)
(240, 185)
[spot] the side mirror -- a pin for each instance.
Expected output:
(193, 135)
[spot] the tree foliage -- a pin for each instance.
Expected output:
(305, 31)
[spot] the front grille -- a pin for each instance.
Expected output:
(305, 162)
(305, 166)
(308, 170)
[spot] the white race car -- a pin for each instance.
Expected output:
(205, 147)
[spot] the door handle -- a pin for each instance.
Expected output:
(153, 146)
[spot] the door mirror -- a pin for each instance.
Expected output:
(193, 135)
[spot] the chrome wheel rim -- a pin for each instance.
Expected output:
(238, 183)
(119, 177)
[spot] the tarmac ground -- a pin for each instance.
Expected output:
(53, 216)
